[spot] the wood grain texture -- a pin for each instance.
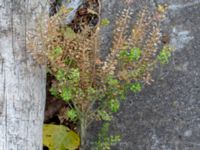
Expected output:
(22, 83)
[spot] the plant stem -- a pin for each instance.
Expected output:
(83, 127)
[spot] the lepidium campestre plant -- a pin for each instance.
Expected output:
(93, 88)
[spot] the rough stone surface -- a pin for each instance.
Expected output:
(166, 114)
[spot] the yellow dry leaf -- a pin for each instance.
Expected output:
(59, 137)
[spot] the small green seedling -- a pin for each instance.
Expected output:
(66, 94)
(72, 114)
(164, 55)
(133, 54)
(136, 87)
(105, 22)
(114, 105)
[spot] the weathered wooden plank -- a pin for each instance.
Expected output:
(22, 83)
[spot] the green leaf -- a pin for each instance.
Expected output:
(105, 140)
(72, 114)
(104, 115)
(163, 56)
(112, 81)
(114, 139)
(60, 75)
(92, 94)
(136, 87)
(66, 94)
(69, 33)
(105, 22)
(53, 91)
(124, 54)
(74, 75)
(91, 91)
(135, 54)
(59, 137)
(114, 105)
(57, 51)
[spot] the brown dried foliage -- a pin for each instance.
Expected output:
(81, 50)
(145, 36)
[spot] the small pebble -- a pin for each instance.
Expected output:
(188, 133)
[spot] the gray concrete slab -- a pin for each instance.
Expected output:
(166, 114)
